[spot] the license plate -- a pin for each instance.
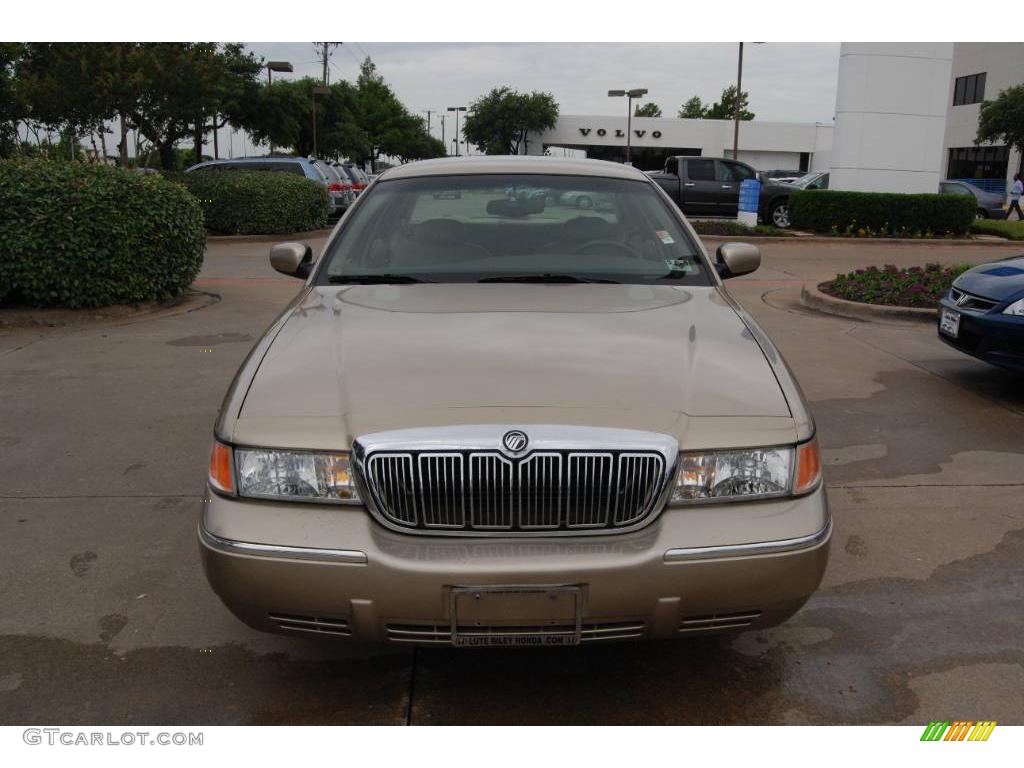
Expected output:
(516, 616)
(949, 323)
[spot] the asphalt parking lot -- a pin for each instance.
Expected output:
(105, 430)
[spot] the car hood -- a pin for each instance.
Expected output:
(999, 280)
(381, 357)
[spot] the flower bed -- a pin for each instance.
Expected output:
(891, 286)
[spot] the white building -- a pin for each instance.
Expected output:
(980, 71)
(764, 145)
(890, 116)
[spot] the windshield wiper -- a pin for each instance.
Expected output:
(545, 277)
(375, 279)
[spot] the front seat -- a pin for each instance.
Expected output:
(435, 242)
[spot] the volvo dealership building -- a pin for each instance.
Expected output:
(906, 116)
(764, 145)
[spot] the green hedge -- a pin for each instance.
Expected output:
(76, 235)
(258, 202)
(881, 214)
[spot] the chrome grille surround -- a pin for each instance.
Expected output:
(965, 300)
(461, 481)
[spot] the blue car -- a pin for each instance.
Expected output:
(983, 313)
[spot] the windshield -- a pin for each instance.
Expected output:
(497, 228)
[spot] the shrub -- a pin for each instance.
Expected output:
(910, 287)
(1011, 230)
(77, 235)
(881, 214)
(258, 202)
(730, 228)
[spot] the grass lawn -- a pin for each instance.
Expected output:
(1011, 230)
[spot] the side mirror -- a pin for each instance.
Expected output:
(292, 259)
(735, 259)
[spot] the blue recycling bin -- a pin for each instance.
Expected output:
(750, 195)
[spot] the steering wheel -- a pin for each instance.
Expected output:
(614, 243)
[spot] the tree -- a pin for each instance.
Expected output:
(387, 126)
(499, 122)
(693, 109)
(726, 107)
(182, 85)
(12, 108)
(1002, 120)
(650, 109)
(62, 88)
(282, 114)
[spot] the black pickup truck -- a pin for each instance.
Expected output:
(710, 186)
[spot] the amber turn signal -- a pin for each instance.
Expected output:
(808, 467)
(220, 468)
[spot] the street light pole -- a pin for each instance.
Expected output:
(442, 134)
(634, 93)
(317, 89)
(456, 110)
(277, 66)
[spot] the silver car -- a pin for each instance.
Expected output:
(487, 422)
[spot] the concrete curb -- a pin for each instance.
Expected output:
(812, 298)
(280, 238)
(866, 240)
(189, 301)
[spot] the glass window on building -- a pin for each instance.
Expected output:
(978, 162)
(969, 89)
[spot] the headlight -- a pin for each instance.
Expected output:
(1017, 308)
(754, 473)
(291, 475)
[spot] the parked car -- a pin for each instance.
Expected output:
(812, 180)
(990, 204)
(983, 313)
(359, 179)
(710, 186)
(312, 169)
(339, 186)
(476, 425)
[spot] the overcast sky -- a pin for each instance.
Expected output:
(786, 81)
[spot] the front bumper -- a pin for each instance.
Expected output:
(993, 337)
(336, 572)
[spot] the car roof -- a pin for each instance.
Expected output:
(514, 164)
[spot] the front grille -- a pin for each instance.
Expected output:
(485, 491)
(720, 621)
(441, 634)
(311, 624)
(965, 300)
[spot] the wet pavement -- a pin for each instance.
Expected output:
(106, 617)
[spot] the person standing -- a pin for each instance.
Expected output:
(1015, 192)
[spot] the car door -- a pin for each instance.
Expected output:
(700, 192)
(730, 176)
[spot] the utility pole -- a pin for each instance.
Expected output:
(324, 51)
(736, 108)
(429, 113)
(442, 134)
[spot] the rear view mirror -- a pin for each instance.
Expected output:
(735, 259)
(292, 259)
